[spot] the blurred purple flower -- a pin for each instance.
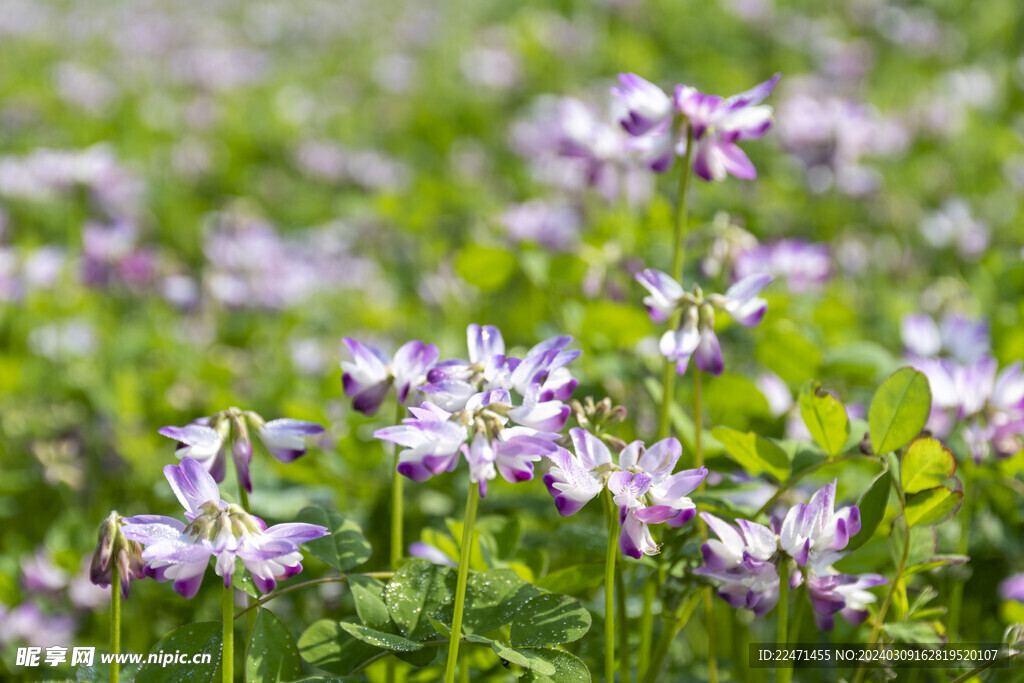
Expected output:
(966, 341)
(953, 225)
(179, 552)
(40, 575)
(27, 624)
(1012, 588)
(555, 226)
(800, 265)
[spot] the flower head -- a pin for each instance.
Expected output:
(113, 548)
(695, 334)
(500, 412)
(642, 484)
(715, 125)
(814, 533)
(180, 552)
(370, 374)
(207, 439)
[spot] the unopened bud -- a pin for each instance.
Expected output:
(112, 547)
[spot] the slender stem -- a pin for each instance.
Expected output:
(609, 590)
(460, 587)
(880, 617)
(650, 589)
(115, 620)
(672, 627)
(698, 455)
(957, 592)
(243, 497)
(668, 377)
(396, 500)
(228, 616)
(797, 476)
(622, 626)
(783, 672)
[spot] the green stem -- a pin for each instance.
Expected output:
(647, 623)
(783, 672)
(115, 619)
(880, 617)
(460, 587)
(668, 634)
(956, 597)
(622, 626)
(228, 616)
(243, 497)
(609, 589)
(396, 500)
(668, 377)
(698, 455)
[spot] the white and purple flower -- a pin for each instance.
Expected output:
(371, 373)
(716, 124)
(206, 440)
(180, 552)
(744, 560)
(642, 484)
(695, 334)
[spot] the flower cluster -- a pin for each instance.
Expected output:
(714, 123)
(501, 413)
(642, 484)
(695, 334)
(180, 552)
(206, 440)
(745, 559)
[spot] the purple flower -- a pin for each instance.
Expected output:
(1012, 588)
(718, 124)
(803, 267)
(368, 378)
(115, 547)
(814, 533)
(642, 484)
(180, 552)
(842, 593)
(695, 334)
(206, 440)
(962, 339)
(647, 105)
(743, 561)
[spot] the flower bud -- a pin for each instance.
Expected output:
(113, 547)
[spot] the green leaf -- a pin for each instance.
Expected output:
(935, 562)
(327, 646)
(754, 453)
(243, 581)
(488, 268)
(924, 540)
(574, 580)
(387, 641)
(196, 639)
(506, 532)
(825, 418)
(934, 506)
(272, 655)
(416, 593)
(549, 620)
(926, 464)
(524, 658)
(368, 594)
(899, 410)
(872, 505)
(345, 548)
(787, 353)
(492, 599)
(913, 632)
(568, 668)
(615, 325)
